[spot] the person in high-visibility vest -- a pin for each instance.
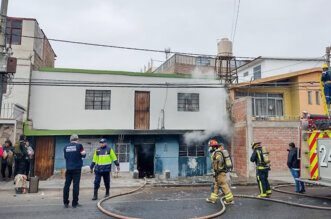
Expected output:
(262, 170)
(102, 160)
(326, 79)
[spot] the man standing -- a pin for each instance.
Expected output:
(294, 165)
(73, 154)
(262, 170)
(20, 153)
(102, 160)
(219, 169)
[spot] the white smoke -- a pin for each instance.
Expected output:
(216, 117)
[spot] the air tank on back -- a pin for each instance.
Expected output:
(224, 47)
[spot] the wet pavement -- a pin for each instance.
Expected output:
(178, 202)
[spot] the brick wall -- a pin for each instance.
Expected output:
(239, 136)
(48, 56)
(276, 139)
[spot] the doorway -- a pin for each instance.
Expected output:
(44, 157)
(144, 158)
(141, 111)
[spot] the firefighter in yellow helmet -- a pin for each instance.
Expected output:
(261, 160)
(219, 169)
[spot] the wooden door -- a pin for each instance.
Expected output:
(141, 112)
(44, 157)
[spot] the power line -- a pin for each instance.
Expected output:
(153, 50)
(235, 26)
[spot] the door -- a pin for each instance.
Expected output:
(123, 155)
(145, 154)
(141, 112)
(44, 157)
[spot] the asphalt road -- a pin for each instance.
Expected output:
(161, 203)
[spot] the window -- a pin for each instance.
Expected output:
(246, 74)
(188, 102)
(309, 98)
(195, 150)
(257, 72)
(97, 100)
(317, 94)
(14, 31)
(123, 152)
(202, 61)
(265, 104)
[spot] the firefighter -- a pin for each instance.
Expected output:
(326, 79)
(102, 160)
(219, 170)
(262, 170)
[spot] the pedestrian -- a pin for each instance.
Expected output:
(73, 154)
(7, 160)
(219, 168)
(326, 79)
(102, 161)
(29, 161)
(262, 170)
(1, 151)
(20, 153)
(294, 164)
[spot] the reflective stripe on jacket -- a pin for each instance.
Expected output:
(257, 157)
(103, 158)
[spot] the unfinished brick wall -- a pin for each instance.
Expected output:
(276, 139)
(48, 58)
(239, 136)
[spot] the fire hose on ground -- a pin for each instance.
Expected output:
(275, 188)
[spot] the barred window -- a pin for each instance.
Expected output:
(194, 150)
(123, 152)
(188, 102)
(97, 100)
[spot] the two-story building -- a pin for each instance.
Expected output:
(144, 116)
(32, 49)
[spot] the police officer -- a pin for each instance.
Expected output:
(262, 170)
(73, 154)
(219, 169)
(102, 160)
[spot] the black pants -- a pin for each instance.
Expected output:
(74, 176)
(27, 167)
(262, 181)
(4, 166)
(106, 180)
(20, 166)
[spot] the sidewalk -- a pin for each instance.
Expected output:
(126, 180)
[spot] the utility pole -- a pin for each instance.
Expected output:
(327, 55)
(4, 55)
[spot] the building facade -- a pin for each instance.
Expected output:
(30, 46)
(264, 67)
(269, 110)
(143, 116)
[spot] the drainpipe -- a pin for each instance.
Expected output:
(29, 93)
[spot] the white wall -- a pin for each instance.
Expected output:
(275, 67)
(58, 108)
(24, 53)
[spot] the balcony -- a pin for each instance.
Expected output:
(276, 118)
(12, 111)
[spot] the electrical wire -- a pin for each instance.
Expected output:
(235, 26)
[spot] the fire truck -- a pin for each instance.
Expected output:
(315, 147)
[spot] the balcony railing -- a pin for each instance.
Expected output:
(12, 111)
(276, 118)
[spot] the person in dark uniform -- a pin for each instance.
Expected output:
(73, 154)
(102, 160)
(262, 170)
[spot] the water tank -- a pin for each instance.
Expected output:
(224, 47)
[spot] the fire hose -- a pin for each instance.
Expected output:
(275, 188)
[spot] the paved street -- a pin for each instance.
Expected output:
(176, 202)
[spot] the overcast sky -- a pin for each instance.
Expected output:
(286, 28)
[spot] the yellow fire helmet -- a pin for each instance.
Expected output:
(255, 144)
(325, 66)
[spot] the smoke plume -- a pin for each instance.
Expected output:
(216, 117)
